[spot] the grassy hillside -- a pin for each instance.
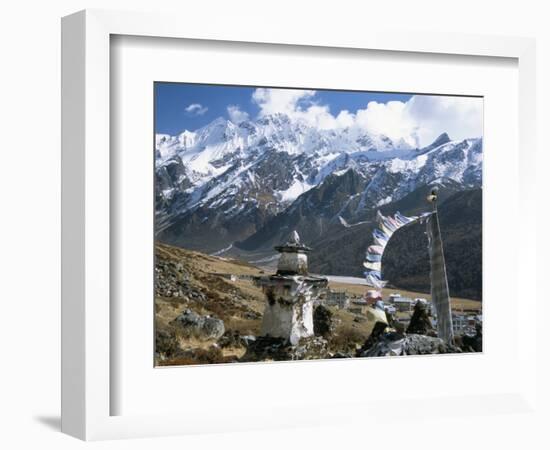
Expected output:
(189, 280)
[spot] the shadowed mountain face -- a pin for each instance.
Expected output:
(239, 189)
(406, 262)
(313, 214)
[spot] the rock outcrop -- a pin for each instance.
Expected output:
(172, 279)
(396, 344)
(420, 322)
(203, 327)
(322, 321)
(473, 343)
(266, 348)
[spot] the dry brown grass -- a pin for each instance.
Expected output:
(207, 263)
(210, 355)
(348, 334)
(231, 301)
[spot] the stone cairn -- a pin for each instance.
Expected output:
(290, 294)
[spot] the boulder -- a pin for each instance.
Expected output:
(204, 327)
(396, 344)
(420, 322)
(374, 337)
(266, 348)
(322, 321)
(213, 328)
(234, 339)
(473, 343)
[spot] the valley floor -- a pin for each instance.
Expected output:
(204, 286)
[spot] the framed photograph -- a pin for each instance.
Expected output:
(252, 218)
(276, 209)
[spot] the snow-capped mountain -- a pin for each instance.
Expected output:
(224, 182)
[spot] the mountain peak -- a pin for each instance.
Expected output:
(274, 118)
(440, 140)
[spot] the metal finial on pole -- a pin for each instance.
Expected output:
(432, 198)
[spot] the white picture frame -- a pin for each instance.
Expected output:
(86, 220)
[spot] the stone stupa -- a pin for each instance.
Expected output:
(290, 294)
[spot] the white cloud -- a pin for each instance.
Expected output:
(298, 105)
(419, 121)
(423, 118)
(389, 119)
(286, 101)
(460, 117)
(236, 115)
(196, 109)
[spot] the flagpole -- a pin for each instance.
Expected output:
(438, 274)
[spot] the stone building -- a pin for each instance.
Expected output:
(290, 294)
(401, 304)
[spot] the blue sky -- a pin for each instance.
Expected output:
(172, 99)
(418, 119)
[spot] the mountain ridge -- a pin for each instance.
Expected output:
(246, 186)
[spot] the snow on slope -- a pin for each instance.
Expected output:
(275, 159)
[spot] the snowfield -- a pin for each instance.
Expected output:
(270, 162)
